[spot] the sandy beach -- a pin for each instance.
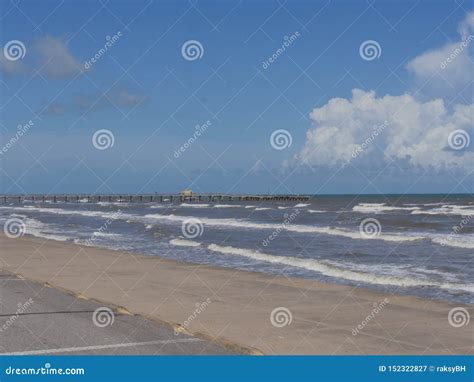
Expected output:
(235, 308)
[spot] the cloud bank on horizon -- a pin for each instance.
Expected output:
(406, 129)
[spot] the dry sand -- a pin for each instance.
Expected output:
(234, 307)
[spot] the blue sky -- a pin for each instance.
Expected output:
(151, 98)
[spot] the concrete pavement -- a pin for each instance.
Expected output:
(37, 320)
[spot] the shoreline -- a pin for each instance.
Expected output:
(234, 308)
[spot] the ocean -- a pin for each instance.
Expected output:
(411, 244)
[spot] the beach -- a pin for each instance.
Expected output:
(253, 312)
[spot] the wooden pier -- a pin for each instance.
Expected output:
(145, 198)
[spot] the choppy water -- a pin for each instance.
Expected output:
(420, 245)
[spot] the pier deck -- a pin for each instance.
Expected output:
(145, 198)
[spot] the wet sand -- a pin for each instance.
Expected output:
(234, 308)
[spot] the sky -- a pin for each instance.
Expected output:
(313, 97)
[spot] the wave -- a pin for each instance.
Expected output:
(447, 210)
(458, 241)
(290, 227)
(380, 208)
(333, 271)
(194, 205)
(316, 212)
(262, 209)
(42, 230)
(184, 243)
(301, 205)
(227, 206)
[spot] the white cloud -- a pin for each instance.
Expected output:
(466, 26)
(408, 131)
(447, 69)
(55, 59)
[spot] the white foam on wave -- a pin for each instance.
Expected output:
(283, 208)
(262, 209)
(447, 210)
(184, 243)
(316, 211)
(227, 206)
(290, 227)
(457, 241)
(333, 271)
(194, 205)
(301, 205)
(42, 230)
(379, 208)
(250, 206)
(59, 211)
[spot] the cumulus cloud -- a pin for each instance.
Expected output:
(448, 68)
(378, 130)
(56, 60)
